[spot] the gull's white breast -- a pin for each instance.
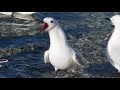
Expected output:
(61, 57)
(114, 50)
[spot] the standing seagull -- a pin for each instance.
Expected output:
(113, 47)
(24, 15)
(21, 15)
(6, 13)
(60, 54)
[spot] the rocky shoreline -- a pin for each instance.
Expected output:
(24, 45)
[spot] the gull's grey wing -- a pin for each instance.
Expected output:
(46, 57)
(79, 59)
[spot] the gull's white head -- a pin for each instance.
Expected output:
(115, 20)
(49, 23)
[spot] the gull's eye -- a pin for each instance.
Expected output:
(51, 21)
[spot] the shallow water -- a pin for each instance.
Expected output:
(23, 45)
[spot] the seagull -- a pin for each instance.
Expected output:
(21, 15)
(24, 15)
(6, 13)
(60, 54)
(113, 47)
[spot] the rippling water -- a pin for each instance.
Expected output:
(23, 45)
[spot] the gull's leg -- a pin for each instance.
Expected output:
(117, 75)
(56, 72)
(73, 73)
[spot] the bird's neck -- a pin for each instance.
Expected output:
(117, 30)
(57, 36)
(115, 37)
(114, 40)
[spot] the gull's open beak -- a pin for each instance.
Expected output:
(45, 26)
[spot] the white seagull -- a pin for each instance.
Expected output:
(113, 47)
(6, 13)
(21, 15)
(60, 54)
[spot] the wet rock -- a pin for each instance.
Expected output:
(10, 27)
(87, 32)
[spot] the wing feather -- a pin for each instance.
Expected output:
(79, 59)
(46, 57)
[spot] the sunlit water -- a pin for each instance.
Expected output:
(23, 45)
